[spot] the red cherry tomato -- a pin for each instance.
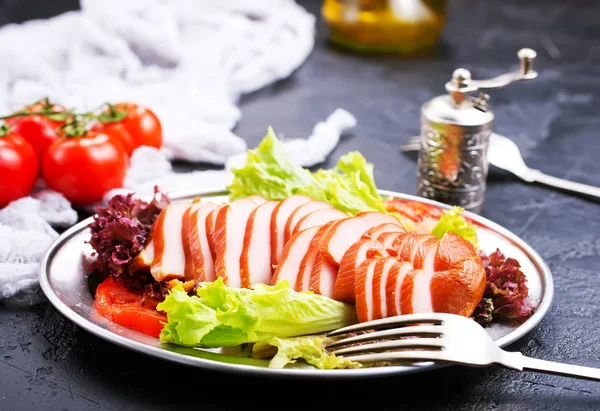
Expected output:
(118, 304)
(38, 130)
(84, 168)
(18, 167)
(46, 106)
(143, 125)
(118, 132)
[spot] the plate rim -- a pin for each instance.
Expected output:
(546, 301)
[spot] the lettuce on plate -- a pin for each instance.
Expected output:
(506, 295)
(452, 220)
(309, 348)
(118, 233)
(221, 316)
(269, 171)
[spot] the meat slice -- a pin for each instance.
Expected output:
(453, 251)
(448, 277)
(279, 218)
(318, 218)
(293, 253)
(211, 224)
(348, 231)
(364, 290)
(169, 258)
(299, 213)
(387, 241)
(405, 244)
(459, 280)
(423, 255)
(413, 246)
(437, 276)
(376, 231)
(406, 291)
(303, 280)
(143, 260)
(322, 278)
(229, 234)
(199, 263)
(255, 260)
(380, 276)
(374, 244)
(358, 252)
(419, 250)
(394, 287)
(417, 287)
(455, 291)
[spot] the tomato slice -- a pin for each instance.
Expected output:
(124, 307)
(413, 210)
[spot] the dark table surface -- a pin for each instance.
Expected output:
(48, 363)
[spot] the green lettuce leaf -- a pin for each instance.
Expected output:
(309, 348)
(270, 172)
(221, 316)
(350, 186)
(452, 220)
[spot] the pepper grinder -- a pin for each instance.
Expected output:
(452, 164)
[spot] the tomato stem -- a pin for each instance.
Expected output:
(5, 130)
(77, 127)
(75, 123)
(114, 114)
(35, 113)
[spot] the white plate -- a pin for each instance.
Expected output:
(64, 280)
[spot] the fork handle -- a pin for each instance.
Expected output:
(540, 177)
(527, 363)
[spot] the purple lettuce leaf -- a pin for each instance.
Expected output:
(506, 293)
(118, 233)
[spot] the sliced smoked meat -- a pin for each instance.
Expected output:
(318, 218)
(293, 253)
(322, 277)
(199, 264)
(394, 287)
(279, 218)
(169, 258)
(358, 252)
(380, 276)
(364, 290)
(229, 234)
(348, 231)
(255, 260)
(376, 231)
(300, 212)
(306, 265)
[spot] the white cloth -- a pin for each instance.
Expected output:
(25, 235)
(189, 61)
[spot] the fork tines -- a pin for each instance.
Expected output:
(434, 344)
(413, 144)
(390, 322)
(414, 332)
(402, 332)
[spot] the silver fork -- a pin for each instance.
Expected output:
(441, 338)
(504, 154)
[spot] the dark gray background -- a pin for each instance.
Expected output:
(48, 363)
